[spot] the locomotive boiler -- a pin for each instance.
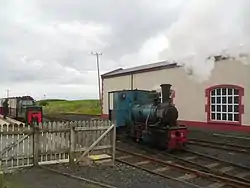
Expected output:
(23, 109)
(148, 116)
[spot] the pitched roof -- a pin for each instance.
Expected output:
(148, 68)
(140, 69)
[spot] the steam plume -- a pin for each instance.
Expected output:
(208, 28)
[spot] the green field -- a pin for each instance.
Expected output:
(55, 106)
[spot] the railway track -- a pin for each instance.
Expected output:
(238, 137)
(191, 168)
(54, 118)
(214, 165)
(170, 169)
(200, 168)
(220, 145)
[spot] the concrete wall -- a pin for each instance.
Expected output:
(112, 84)
(190, 96)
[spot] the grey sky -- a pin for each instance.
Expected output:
(45, 45)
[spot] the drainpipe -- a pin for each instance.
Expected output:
(132, 82)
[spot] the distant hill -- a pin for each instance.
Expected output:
(52, 100)
(55, 106)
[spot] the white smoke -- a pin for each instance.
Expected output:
(208, 28)
(157, 88)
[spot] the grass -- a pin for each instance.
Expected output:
(55, 106)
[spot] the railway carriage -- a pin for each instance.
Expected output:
(23, 109)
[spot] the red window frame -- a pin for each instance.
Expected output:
(208, 96)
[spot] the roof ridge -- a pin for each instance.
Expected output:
(113, 71)
(141, 68)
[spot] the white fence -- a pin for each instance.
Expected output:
(54, 142)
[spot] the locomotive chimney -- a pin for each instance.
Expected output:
(165, 92)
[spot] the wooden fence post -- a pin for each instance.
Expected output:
(113, 137)
(72, 144)
(36, 145)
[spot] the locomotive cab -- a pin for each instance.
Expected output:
(29, 110)
(23, 109)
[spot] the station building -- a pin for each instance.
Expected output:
(221, 102)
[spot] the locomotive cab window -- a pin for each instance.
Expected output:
(27, 103)
(123, 96)
(20, 106)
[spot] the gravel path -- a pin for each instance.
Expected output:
(121, 176)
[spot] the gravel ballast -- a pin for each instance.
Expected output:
(232, 138)
(122, 176)
(234, 157)
(218, 136)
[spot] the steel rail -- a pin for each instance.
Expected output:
(153, 172)
(223, 143)
(222, 179)
(53, 118)
(243, 137)
(201, 167)
(220, 145)
(217, 159)
(204, 168)
(207, 169)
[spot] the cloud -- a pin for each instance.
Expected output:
(45, 45)
(209, 28)
(48, 43)
(39, 91)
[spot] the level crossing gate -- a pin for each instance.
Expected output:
(54, 142)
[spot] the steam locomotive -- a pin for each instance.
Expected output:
(22, 109)
(148, 116)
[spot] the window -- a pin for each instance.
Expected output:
(224, 104)
(27, 102)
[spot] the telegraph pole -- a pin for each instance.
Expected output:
(98, 72)
(8, 93)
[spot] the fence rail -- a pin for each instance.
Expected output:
(54, 142)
